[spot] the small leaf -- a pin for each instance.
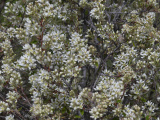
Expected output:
(82, 112)
(77, 116)
(147, 117)
(133, 43)
(19, 109)
(64, 110)
(119, 101)
(34, 41)
(96, 64)
(143, 99)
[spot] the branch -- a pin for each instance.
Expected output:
(2, 5)
(102, 65)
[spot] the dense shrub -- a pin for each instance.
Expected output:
(79, 59)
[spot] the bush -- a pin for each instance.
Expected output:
(79, 59)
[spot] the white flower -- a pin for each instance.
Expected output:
(10, 117)
(158, 98)
(94, 13)
(41, 1)
(26, 47)
(94, 113)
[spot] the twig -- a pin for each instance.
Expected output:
(25, 96)
(102, 64)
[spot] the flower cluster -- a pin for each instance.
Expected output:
(97, 11)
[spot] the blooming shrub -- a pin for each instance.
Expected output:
(79, 59)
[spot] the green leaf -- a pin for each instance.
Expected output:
(124, 114)
(77, 116)
(82, 112)
(133, 44)
(147, 117)
(96, 64)
(34, 41)
(19, 109)
(119, 101)
(143, 99)
(64, 110)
